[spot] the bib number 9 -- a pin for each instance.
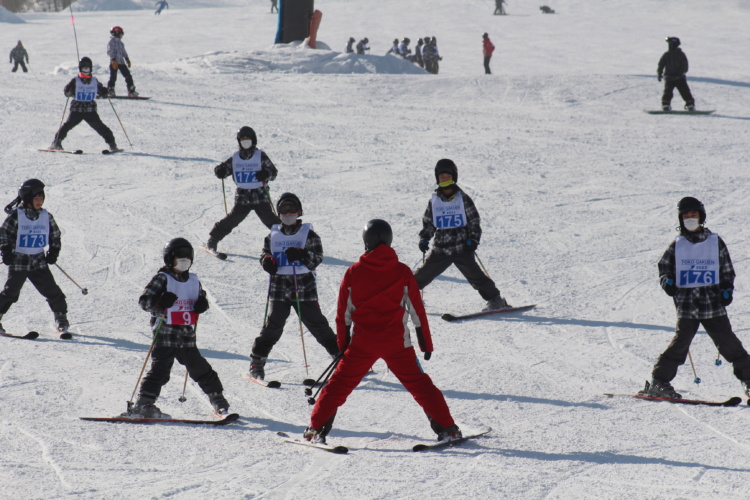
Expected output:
(183, 318)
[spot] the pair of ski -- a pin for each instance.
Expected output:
(34, 335)
(80, 151)
(451, 317)
(644, 395)
(340, 450)
(222, 420)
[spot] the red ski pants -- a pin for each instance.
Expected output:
(403, 363)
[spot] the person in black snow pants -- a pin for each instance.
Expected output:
(175, 299)
(674, 66)
(290, 255)
(452, 218)
(697, 272)
(17, 57)
(119, 60)
(23, 236)
(84, 89)
(251, 169)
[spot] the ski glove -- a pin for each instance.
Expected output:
(201, 305)
(8, 256)
(294, 254)
(51, 256)
(166, 300)
(726, 296)
(424, 245)
(658, 77)
(114, 64)
(269, 265)
(427, 356)
(128, 61)
(262, 175)
(471, 245)
(668, 285)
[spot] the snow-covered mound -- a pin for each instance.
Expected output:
(7, 16)
(297, 57)
(94, 5)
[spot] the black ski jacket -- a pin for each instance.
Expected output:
(673, 64)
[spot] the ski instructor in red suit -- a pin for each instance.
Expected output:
(377, 297)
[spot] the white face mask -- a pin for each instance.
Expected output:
(246, 144)
(182, 265)
(691, 224)
(288, 220)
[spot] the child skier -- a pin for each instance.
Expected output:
(452, 218)
(84, 89)
(17, 57)
(251, 169)
(701, 293)
(674, 65)
(375, 298)
(290, 255)
(23, 237)
(119, 60)
(175, 299)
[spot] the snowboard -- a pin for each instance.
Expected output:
(679, 112)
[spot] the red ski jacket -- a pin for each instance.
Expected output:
(378, 295)
(487, 47)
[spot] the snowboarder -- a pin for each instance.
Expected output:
(84, 89)
(499, 8)
(674, 66)
(452, 218)
(701, 294)
(375, 298)
(290, 255)
(251, 169)
(119, 60)
(350, 45)
(487, 49)
(175, 299)
(24, 235)
(17, 57)
(362, 45)
(160, 5)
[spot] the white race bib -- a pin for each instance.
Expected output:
(181, 312)
(32, 235)
(448, 214)
(280, 242)
(86, 91)
(697, 264)
(244, 171)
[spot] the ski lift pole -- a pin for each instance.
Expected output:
(75, 34)
(118, 119)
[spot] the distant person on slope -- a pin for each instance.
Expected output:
(160, 6)
(175, 299)
(17, 57)
(290, 255)
(377, 295)
(24, 235)
(350, 45)
(487, 49)
(362, 46)
(119, 60)
(697, 272)
(452, 218)
(252, 170)
(418, 53)
(274, 6)
(674, 66)
(499, 8)
(84, 89)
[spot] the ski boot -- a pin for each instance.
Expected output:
(113, 147)
(496, 303)
(662, 389)
(745, 383)
(144, 407)
(111, 92)
(212, 243)
(314, 436)
(666, 107)
(452, 432)
(220, 404)
(56, 145)
(61, 322)
(690, 107)
(257, 367)
(132, 92)
(2, 330)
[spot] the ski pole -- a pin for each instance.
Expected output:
(118, 119)
(482, 264)
(718, 358)
(299, 315)
(182, 398)
(224, 193)
(75, 34)
(308, 390)
(62, 118)
(268, 193)
(148, 355)
(268, 301)
(331, 368)
(84, 291)
(697, 379)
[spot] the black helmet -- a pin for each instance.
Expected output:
(395, 41)
(171, 248)
(673, 41)
(289, 199)
(366, 40)
(85, 62)
(377, 232)
(407, 41)
(446, 166)
(29, 189)
(351, 39)
(485, 35)
(688, 204)
(247, 132)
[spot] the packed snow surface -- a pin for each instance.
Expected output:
(576, 186)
